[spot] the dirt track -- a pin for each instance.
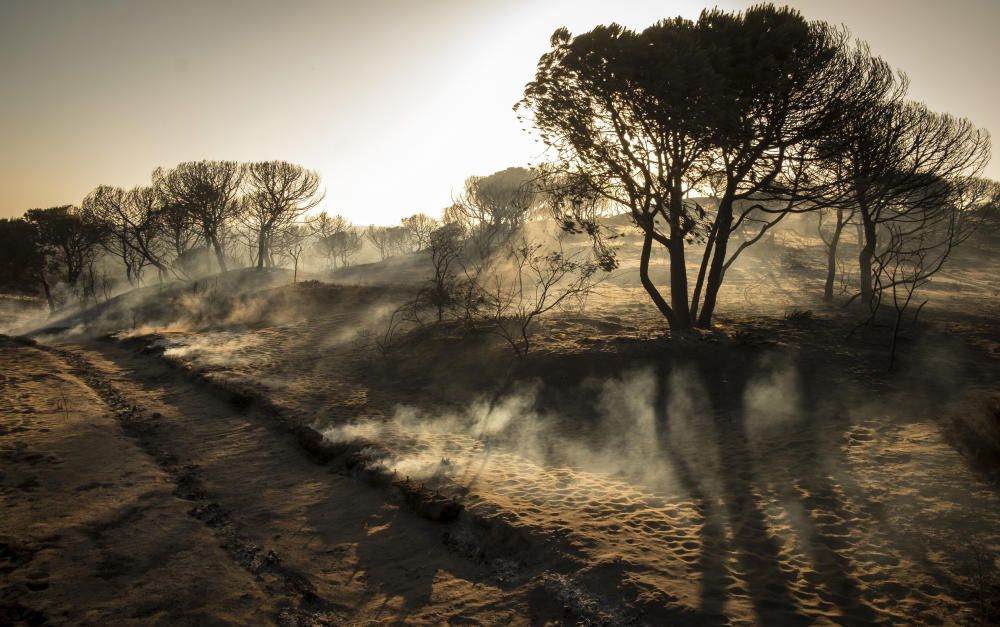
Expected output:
(171, 507)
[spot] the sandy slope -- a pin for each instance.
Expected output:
(802, 513)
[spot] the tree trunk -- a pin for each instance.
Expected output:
(678, 285)
(831, 256)
(220, 256)
(865, 258)
(724, 221)
(678, 265)
(48, 295)
(702, 268)
(647, 283)
(261, 249)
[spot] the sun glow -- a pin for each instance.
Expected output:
(394, 104)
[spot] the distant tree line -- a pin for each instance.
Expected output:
(190, 216)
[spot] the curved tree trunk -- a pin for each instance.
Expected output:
(702, 269)
(647, 283)
(724, 221)
(678, 285)
(865, 258)
(831, 256)
(678, 265)
(220, 255)
(261, 249)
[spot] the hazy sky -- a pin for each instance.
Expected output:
(394, 103)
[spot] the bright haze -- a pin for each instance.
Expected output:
(394, 103)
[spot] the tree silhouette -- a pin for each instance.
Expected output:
(492, 208)
(901, 166)
(67, 241)
(106, 207)
(278, 194)
(389, 241)
(179, 229)
(289, 243)
(208, 191)
(150, 231)
(420, 226)
(23, 266)
(133, 226)
(446, 245)
(336, 238)
(831, 241)
(737, 103)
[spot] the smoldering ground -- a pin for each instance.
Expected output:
(811, 482)
(628, 425)
(770, 462)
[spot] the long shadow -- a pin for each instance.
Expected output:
(769, 588)
(715, 577)
(839, 497)
(808, 470)
(833, 488)
(822, 538)
(384, 551)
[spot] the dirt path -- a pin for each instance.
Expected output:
(131, 494)
(91, 531)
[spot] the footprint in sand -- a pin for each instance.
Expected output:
(29, 485)
(37, 581)
(859, 435)
(14, 555)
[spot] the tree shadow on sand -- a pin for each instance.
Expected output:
(728, 492)
(387, 555)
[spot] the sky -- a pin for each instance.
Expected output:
(394, 103)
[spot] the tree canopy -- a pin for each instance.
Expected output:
(740, 103)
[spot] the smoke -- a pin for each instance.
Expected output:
(208, 351)
(18, 313)
(772, 401)
(646, 428)
(748, 443)
(368, 323)
(463, 439)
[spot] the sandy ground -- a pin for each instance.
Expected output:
(92, 532)
(768, 472)
(169, 507)
(858, 513)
